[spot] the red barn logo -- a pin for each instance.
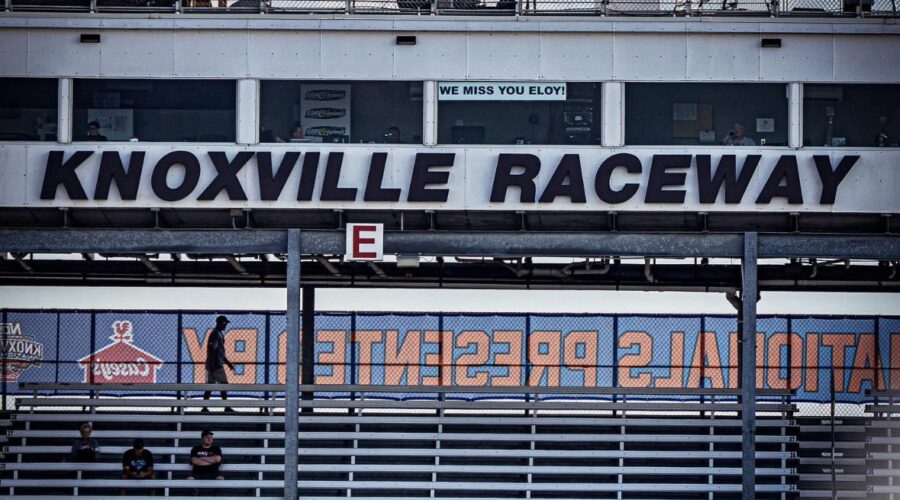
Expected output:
(121, 362)
(19, 351)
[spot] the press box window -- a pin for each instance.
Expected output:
(518, 113)
(686, 114)
(28, 109)
(851, 115)
(154, 110)
(336, 111)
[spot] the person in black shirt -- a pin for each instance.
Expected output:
(206, 458)
(93, 132)
(137, 463)
(216, 360)
(85, 448)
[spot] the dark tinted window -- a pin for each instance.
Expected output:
(28, 108)
(334, 111)
(851, 115)
(706, 113)
(155, 110)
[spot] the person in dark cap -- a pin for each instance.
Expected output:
(206, 458)
(137, 463)
(216, 360)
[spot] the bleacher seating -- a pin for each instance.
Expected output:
(449, 443)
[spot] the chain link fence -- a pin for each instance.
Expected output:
(804, 8)
(828, 362)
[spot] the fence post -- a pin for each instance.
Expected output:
(441, 347)
(5, 354)
(56, 361)
(876, 363)
(353, 367)
(833, 474)
(527, 364)
(178, 350)
(749, 291)
(615, 358)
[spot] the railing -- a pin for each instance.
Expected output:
(803, 8)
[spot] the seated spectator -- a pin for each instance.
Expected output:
(93, 132)
(735, 137)
(296, 135)
(392, 136)
(137, 463)
(206, 458)
(85, 448)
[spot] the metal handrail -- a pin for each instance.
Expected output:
(800, 8)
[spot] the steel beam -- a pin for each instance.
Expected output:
(471, 243)
(748, 365)
(143, 241)
(292, 368)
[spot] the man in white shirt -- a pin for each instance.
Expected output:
(736, 137)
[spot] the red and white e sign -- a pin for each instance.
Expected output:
(365, 242)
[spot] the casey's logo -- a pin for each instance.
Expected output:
(121, 362)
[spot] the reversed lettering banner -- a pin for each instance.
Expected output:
(805, 354)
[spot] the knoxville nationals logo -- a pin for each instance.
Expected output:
(19, 352)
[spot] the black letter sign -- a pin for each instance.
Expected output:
(374, 191)
(112, 170)
(831, 179)
(660, 177)
(422, 176)
(227, 176)
(601, 182)
(58, 173)
(569, 167)
(161, 172)
(504, 178)
(785, 170)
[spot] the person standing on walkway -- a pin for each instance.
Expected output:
(216, 360)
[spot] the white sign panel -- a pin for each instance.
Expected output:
(365, 242)
(501, 91)
(391, 177)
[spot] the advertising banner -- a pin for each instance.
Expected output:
(808, 355)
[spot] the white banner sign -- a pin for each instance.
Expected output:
(501, 91)
(407, 177)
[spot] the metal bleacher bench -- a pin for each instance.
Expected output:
(355, 440)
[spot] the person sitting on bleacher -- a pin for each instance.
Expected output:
(137, 463)
(205, 459)
(85, 448)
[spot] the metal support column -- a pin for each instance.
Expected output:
(795, 115)
(429, 116)
(307, 341)
(748, 364)
(292, 375)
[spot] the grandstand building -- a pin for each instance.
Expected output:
(741, 146)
